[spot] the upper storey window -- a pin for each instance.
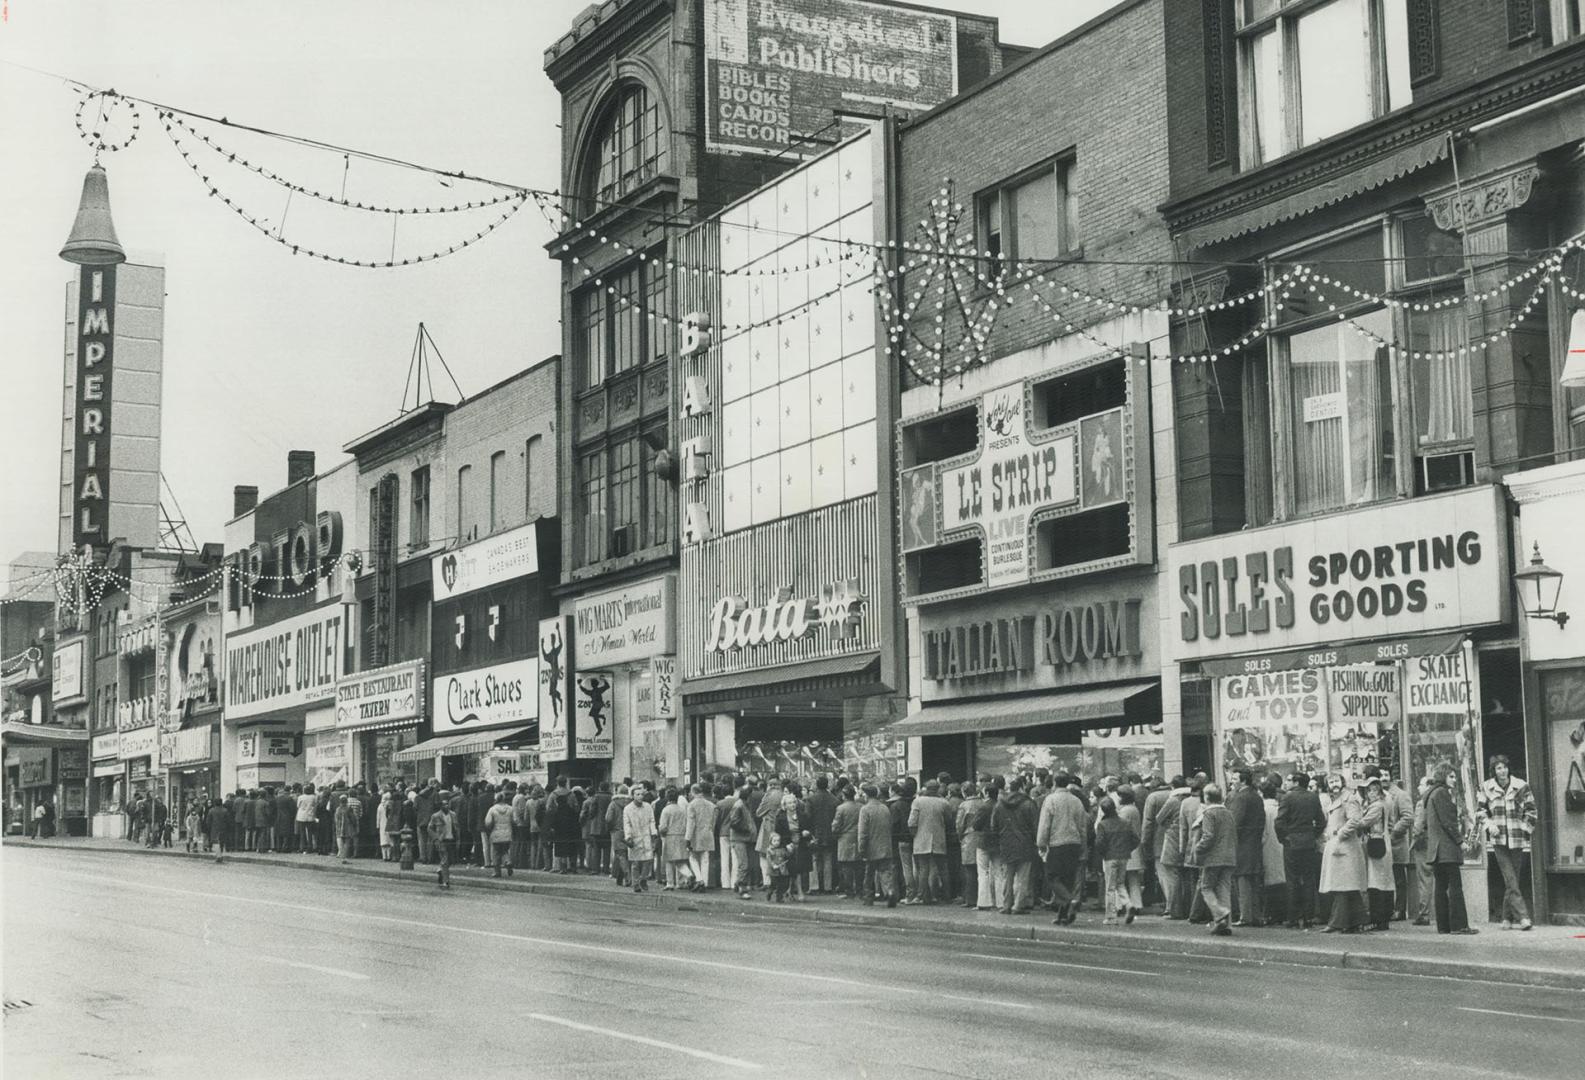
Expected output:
(629, 149)
(1309, 69)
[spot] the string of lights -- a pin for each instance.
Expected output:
(516, 202)
(109, 101)
(233, 157)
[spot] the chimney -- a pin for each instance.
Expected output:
(299, 466)
(244, 497)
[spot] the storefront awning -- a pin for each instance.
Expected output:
(1352, 652)
(769, 680)
(1362, 177)
(469, 742)
(1091, 705)
(378, 725)
(16, 734)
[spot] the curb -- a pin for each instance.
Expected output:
(1244, 952)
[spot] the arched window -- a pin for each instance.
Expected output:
(628, 146)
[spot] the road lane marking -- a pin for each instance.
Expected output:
(609, 950)
(1058, 963)
(312, 967)
(1524, 1016)
(704, 1055)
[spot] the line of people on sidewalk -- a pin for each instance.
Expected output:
(1266, 853)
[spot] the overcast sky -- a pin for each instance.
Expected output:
(266, 351)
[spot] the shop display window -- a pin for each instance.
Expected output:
(863, 759)
(1563, 718)
(1004, 756)
(1408, 717)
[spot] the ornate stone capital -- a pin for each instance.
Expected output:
(1482, 200)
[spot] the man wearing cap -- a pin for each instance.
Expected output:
(1216, 853)
(876, 849)
(442, 830)
(1300, 823)
(639, 833)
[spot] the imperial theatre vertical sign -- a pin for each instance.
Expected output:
(96, 300)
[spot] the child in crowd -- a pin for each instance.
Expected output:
(780, 859)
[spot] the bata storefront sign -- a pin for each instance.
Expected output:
(1436, 563)
(385, 694)
(512, 554)
(290, 663)
(625, 625)
(486, 697)
(734, 624)
(777, 69)
(67, 671)
(138, 743)
(1060, 637)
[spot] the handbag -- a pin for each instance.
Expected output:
(1574, 797)
(1375, 847)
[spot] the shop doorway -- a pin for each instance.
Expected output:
(1502, 732)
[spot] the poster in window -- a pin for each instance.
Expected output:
(1365, 709)
(1274, 721)
(1444, 730)
(918, 504)
(594, 708)
(1101, 480)
(554, 739)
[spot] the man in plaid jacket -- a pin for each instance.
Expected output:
(1507, 816)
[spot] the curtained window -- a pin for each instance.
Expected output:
(1340, 412)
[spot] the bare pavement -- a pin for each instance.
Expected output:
(120, 962)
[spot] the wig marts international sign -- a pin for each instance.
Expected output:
(777, 71)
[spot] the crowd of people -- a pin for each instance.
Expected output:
(1265, 851)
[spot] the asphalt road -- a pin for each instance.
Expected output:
(164, 968)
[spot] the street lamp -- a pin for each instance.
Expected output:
(1538, 586)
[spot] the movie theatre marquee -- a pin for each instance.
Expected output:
(1038, 480)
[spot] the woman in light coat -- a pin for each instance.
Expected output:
(1378, 871)
(385, 819)
(638, 836)
(1275, 879)
(845, 832)
(1343, 871)
(674, 842)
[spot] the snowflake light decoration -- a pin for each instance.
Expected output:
(960, 300)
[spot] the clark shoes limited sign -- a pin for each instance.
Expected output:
(487, 697)
(1437, 563)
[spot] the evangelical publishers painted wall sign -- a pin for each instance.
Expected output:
(486, 697)
(291, 663)
(777, 70)
(1435, 563)
(512, 554)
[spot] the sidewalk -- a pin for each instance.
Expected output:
(1548, 956)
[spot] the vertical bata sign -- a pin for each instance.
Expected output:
(777, 70)
(96, 299)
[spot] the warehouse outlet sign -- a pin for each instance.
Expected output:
(1428, 564)
(291, 663)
